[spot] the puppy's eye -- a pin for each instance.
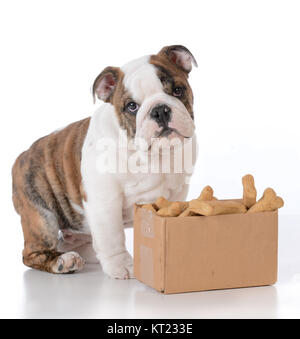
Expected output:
(132, 107)
(178, 91)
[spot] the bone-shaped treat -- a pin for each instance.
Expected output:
(173, 210)
(269, 202)
(216, 207)
(206, 194)
(249, 191)
(187, 213)
(162, 202)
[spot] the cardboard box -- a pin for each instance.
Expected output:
(198, 253)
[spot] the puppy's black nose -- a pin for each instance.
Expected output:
(161, 114)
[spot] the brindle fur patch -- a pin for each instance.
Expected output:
(46, 179)
(171, 77)
(118, 98)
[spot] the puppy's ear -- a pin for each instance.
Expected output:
(180, 56)
(105, 84)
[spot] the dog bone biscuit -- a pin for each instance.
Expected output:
(216, 207)
(173, 210)
(186, 213)
(249, 191)
(149, 207)
(206, 194)
(269, 202)
(162, 203)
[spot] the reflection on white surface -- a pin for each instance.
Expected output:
(28, 293)
(91, 294)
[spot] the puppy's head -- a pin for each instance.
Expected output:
(151, 96)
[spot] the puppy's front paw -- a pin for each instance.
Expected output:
(119, 266)
(69, 262)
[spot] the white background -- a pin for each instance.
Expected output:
(247, 108)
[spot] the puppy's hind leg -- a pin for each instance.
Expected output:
(41, 237)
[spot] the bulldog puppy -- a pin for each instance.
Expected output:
(65, 192)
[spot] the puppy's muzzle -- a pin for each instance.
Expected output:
(162, 115)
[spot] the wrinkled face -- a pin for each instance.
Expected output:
(151, 95)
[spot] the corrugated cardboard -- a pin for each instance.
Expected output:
(200, 253)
